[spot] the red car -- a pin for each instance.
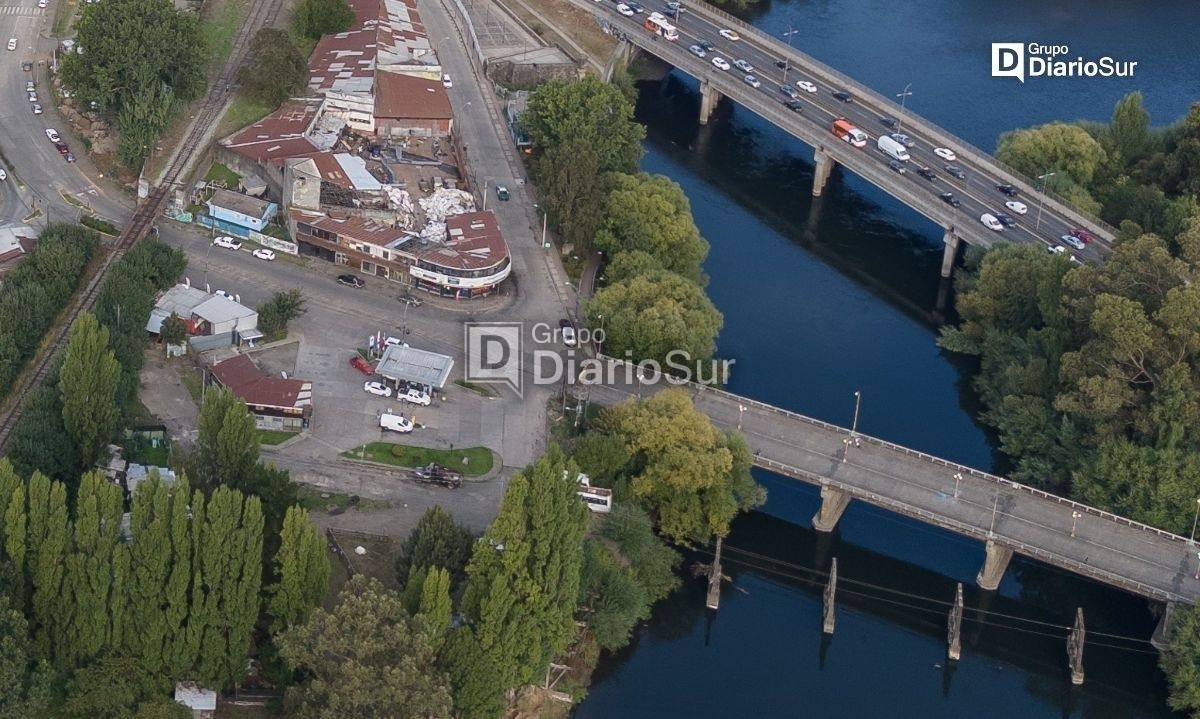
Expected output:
(1083, 234)
(360, 364)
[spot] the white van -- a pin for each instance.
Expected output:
(893, 149)
(395, 422)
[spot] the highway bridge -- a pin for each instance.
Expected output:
(777, 64)
(1010, 518)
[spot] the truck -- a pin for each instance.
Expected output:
(892, 149)
(435, 473)
(851, 134)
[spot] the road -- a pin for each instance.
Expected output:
(775, 64)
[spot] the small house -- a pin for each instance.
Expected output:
(202, 702)
(241, 210)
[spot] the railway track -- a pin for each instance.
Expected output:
(140, 223)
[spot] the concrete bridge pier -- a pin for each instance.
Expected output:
(833, 503)
(994, 564)
(709, 97)
(950, 254)
(824, 164)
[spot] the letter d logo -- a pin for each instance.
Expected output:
(1008, 60)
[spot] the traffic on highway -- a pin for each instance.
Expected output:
(979, 194)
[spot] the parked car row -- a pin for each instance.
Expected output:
(232, 243)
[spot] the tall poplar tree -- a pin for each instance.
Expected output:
(88, 579)
(88, 382)
(151, 567)
(47, 546)
(303, 570)
(227, 446)
(435, 603)
(13, 518)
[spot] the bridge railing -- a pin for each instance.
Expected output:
(954, 466)
(834, 77)
(971, 530)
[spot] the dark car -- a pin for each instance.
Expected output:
(62, 148)
(789, 91)
(350, 280)
(360, 364)
(927, 173)
(897, 166)
(1083, 234)
(842, 96)
(635, 7)
(1008, 190)
(950, 199)
(903, 139)
(708, 46)
(1006, 220)
(794, 106)
(27, 66)
(889, 121)
(956, 171)
(70, 157)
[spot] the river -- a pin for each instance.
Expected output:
(825, 298)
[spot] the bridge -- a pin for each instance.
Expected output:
(1008, 517)
(777, 64)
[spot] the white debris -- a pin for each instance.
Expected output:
(360, 550)
(445, 202)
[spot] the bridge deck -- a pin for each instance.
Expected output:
(1033, 523)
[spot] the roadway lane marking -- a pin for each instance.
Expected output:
(24, 11)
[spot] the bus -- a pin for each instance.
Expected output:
(849, 133)
(657, 24)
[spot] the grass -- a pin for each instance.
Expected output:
(478, 462)
(274, 436)
(64, 12)
(99, 225)
(558, 18)
(221, 173)
(479, 389)
(139, 416)
(219, 28)
(143, 453)
(191, 380)
(242, 112)
(315, 500)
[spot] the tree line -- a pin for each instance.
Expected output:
(588, 149)
(1137, 177)
(33, 294)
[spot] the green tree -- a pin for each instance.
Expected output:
(162, 708)
(174, 330)
(523, 581)
(1181, 661)
(1129, 129)
(278, 493)
(303, 570)
(148, 633)
(283, 307)
(435, 603)
(277, 69)
(588, 112)
(651, 561)
(1054, 147)
(24, 678)
(571, 188)
(13, 532)
(111, 688)
(475, 677)
(693, 478)
(603, 457)
(654, 315)
(88, 385)
(436, 541)
(629, 264)
(315, 18)
(48, 539)
(650, 213)
(181, 642)
(227, 447)
(89, 569)
(366, 657)
(615, 600)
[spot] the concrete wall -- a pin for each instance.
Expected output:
(272, 174)
(512, 74)
(411, 127)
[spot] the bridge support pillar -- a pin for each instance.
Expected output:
(833, 503)
(823, 166)
(994, 565)
(709, 97)
(713, 598)
(950, 254)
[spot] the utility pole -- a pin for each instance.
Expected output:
(1042, 199)
(787, 61)
(857, 402)
(903, 98)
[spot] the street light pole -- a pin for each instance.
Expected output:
(903, 99)
(1042, 199)
(787, 62)
(1074, 520)
(957, 479)
(1194, 519)
(857, 402)
(741, 411)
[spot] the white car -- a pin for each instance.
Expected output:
(697, 51)
(806, 86)
(625, 10)
(945, 153)
(1017, 207)
(720, 63)
(227, 242)
(42, 3)
(395, 422)
(1073, 241)
(33, 97)
(263, 253)
(52, 135)
(377, 388)
(37, 109)
(415, 396)
(12, 43)
(743, 66)
(223, 293)
(3, 175)
(1056, 249)
(730, 35)
(446, 82)
(989, 221)
(752, 81)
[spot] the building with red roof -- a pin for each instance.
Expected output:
(275, 402)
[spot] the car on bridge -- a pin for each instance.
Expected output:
(635, 7)
(989, 221)
(789, 91)
(752, 81)
(730, 35)
(842, 96)
(1008, 190)
(1083, 234)
(794, 105)
(1006, 220)
(956, 171)
(674, 7)
(927, 173)
(903, 139)
(889, 122)
(1017, 207)
(625, 10)
(226, 242)
(897, 166)
(706, 46)
(743, 66)
(1073, 241)
(945, 153)
(806, 86)
(697, 51)
(720, 63)
(950, 199)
